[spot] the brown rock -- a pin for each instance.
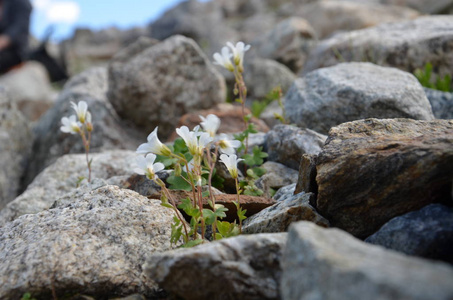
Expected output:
(307, 175)
(373, 170)
(230, 117)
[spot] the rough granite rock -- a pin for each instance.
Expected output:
(441, 103)
(156, 86)
(63, 176)
(289, 43)
(405, 45)
(286, 144)
(307, 175)
(243, 267)
(283, 192)
(352, 91)
(427, 232)
(372, 170)
(277, 175)
(93, 244)
(329, 17)
(332, 265)
(15, 147)
(278, 217)
(109, 133)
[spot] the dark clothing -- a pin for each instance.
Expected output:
(14, 22)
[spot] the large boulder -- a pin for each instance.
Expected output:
(370, 171)
(286, 144)
(331, 264)
(243, 267)
(15, 147)
(427, 232)
(353, 91)
(110, 132)
(30, 88)
(406, 45)
(328, 17)
(93, 243)
(156, 85)
(63, 176)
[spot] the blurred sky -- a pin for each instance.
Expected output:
(97, 14)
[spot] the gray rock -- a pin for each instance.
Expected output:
(405, 45)
(243, 267)
(427, 233)
(15, 147)
(156, 86)
(289, 43)
(30, 88)
(286, 144)
(329, 17)
(277, 175)
(370, 171)
(330, 264)
(278, 217)
(441, 103)
(63, 176)
(110, 132)
(427, 7)
(263, 75)
(352, 91)
(93, 245)
(284, 192)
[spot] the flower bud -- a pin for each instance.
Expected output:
(178, 170)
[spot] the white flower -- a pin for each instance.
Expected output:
(203, 141)
(238, 52)
(224, 59)
(70, 125)
(226, 145)
(154, 145)
(146, 166)
(231, 162)
(81, 110)
(210, 124)
(189, 137)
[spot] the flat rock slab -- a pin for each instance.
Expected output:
(332, 265)
(352, 91)
(427, 232)
(93, 244)
(373, 170)
(243, 267)
(278, 217)
(404, 45)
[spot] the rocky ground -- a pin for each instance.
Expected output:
(362, 169)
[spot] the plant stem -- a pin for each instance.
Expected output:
(239, 204)
(173, 204)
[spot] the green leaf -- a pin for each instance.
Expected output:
(193, 243)
(178, 183)
(187, 206)
(259, 171)
(167, 205)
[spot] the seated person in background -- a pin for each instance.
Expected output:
(14, 27)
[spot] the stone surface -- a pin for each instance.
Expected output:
(277, 175)
(372, 170)
(15, 147)
(427, 232)
(277, 218)
(163, 82)
(94, 243)
(63, 176)
(30, 88)
(307, 175)
(263, 75)
(243, 267)
(330, 264)
(428, 7)
(441, 103)
(405, 45)
(329, 17)
(352, 91)
(289, 43)
(110, 132)
(286, 144)
(283, 192)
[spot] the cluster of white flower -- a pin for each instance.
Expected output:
(231, 51)
(198, 141)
